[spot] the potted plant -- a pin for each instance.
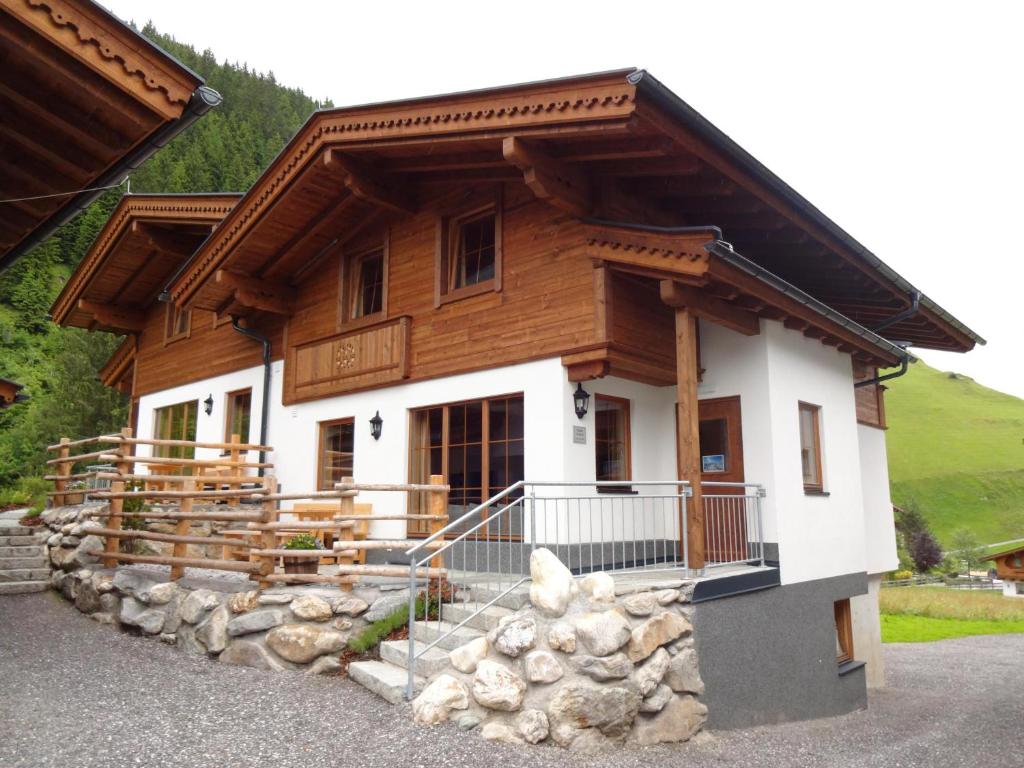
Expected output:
(302, 563)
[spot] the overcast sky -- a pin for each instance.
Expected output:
(901, 121)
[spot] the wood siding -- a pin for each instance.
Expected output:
(870, 399)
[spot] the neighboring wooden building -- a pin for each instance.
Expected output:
(464, 265)
(10, 393)
(83, 100)
(1010, 568)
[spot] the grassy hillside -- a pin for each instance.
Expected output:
(957, 449)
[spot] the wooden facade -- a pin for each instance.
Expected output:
(1009, 564)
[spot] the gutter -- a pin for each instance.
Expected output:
(265, 405)
(645, 83)
(915, 303)
(202, 101)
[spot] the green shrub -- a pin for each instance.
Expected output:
(303, 541)
(26, 492)
(903, 575)
(371, 636)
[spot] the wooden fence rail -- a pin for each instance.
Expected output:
(256, 548)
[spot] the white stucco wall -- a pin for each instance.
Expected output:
(867, 632)
(879, 529)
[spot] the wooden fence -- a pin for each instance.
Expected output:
(219, 480)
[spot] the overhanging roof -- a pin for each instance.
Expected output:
(10, 393)
(84, 99)
(616, 145)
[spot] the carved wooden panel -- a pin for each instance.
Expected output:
(358, 359)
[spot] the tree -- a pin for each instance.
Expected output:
(925, 551)
(967, 547)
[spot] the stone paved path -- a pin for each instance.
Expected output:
(75, 693)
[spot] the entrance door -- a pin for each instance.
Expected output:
(721, 457)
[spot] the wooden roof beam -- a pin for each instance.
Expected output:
(613, 149)
(120, 318)
(366, 184)
(164, 240)
(707, 307)
(264, 295)
(550, 180)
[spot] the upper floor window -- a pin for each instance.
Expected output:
(469, 253)
(364, 285)
(810, 446)
(178, 323)
(611, 440)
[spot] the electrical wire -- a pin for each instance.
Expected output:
(64, 194)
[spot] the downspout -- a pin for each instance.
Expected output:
(265, 405)
(904, 365)
(915, 304)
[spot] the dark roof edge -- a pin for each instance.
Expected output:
(725, 252)
(647, 83)
(203, 100)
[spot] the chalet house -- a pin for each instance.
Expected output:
(579, 281)
(1010, 568)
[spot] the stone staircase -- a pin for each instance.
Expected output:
(23, 564)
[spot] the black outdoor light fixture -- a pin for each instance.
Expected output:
(376, 424)
(580, 398)
(208, 404)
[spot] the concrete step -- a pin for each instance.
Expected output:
(486, 620)
(428, 663)
(19, 540)
(25, 574)
(21, 587)
(514, 600)
(384, 679)
(15, 530)
(24, 550)
(8, 563)
(429, 632)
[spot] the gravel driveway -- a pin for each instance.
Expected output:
(75, 693)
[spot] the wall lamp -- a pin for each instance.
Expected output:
(376, 425)
(580, 398)
(208, 404)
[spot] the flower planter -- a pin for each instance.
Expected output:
(302, 564)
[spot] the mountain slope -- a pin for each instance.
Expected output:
(956, 448)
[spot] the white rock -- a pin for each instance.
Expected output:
(197, 604)
(161, 594)
(497, 687)
(466, 657)
(683, 674)
(514, 635)
(350, 606)
(602, 633)
(542, 667)
(562, 637)
(532, 725)
(640, 604)
(311, 608)
(666, 596)
(657, 699)
(552, 583)
(649, 675)
(681, 718)
(499, 732)
(438, 699)
(599, 587)
(655, 632)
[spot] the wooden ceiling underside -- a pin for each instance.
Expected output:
(616, 159)
(71, 107)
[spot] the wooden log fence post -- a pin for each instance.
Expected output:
(439, 512)
(63, 470)
(348, 509)
(268, 540)
(125, 467)
(236, 457)
(182, 528)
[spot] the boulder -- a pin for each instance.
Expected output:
(649, 675)
(385, 605)
(562, 637)
(532, 725)
(468, 722)
(497, 687)
(160, 594)
(552, 583)
(103, 582)
(187, 641)
(311, 608)
(275, 599)
(325, 665)
(499, 732)
(342, 624)
(136, 614)
(351, 606)
(247, 653)
(655, 632)
(256, 621)
(602, 633)
(172, 612)
(514, 635)
(466, 657)
(110, 603)
(588, 741)
(241, 602)
(195, 606)
(301, 643)
(683, 674)
(542, 667)
(640, 603)
(657, 699)
(680, 719)
(88, 599)
(599, 587)
(609, 708)
(213, 631)
(603, 668)
(666, 596)
(438, 699)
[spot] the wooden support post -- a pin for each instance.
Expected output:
(688, 430)
(439, 509)
(236, 457)
(348, 508)
(125, 466)
(182, 528)
(63, 469)
(268, 540)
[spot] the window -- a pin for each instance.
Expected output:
(238, 411)
(363, 292)
(477, 446)
(611, 441)
(337, 441)
(178, 324)
(810, 447)
(844, 631)
(175, 422)
(469, 253)
(369, 284)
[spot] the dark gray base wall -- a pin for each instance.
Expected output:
(770, 656)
